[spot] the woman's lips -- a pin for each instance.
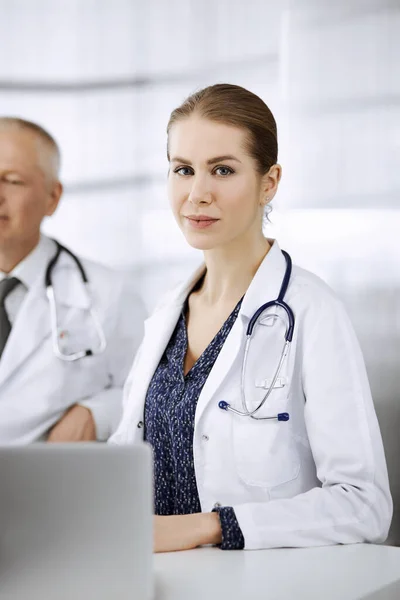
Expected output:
(201, 222)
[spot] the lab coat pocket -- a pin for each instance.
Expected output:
(77, 332)
(89, 375)
(265, 451)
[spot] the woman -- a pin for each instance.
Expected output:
(227, 478)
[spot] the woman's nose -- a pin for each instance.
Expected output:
(200, 193)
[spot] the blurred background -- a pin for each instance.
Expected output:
(103, 75)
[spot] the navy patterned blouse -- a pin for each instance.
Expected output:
(169, 427)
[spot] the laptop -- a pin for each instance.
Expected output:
(76, 522)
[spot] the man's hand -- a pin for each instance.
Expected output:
(76, 425)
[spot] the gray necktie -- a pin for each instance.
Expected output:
(6, 286)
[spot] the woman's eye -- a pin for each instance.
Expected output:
(223, 171)
(185, 171)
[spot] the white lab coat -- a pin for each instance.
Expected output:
(319, 478)
(36, 388)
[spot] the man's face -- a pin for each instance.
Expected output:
(27, 192)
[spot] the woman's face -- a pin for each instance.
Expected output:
(216, 193)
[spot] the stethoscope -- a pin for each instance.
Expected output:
(280, 302)
(53, 310)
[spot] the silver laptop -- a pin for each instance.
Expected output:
(76, 522)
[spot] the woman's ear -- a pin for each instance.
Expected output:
(270, 183)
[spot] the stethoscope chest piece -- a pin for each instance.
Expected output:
(223, 405)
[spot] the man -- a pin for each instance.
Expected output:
(42, 395)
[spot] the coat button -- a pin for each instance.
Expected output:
(205, 438)
(140, 424)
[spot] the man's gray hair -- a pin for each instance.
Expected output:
(43, 136)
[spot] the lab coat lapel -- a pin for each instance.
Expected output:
(158, 330)
(31, 326)
(221, 367)
(267, 281)
(160, 326)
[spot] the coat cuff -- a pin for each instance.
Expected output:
(232, 536)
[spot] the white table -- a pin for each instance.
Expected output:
(354, 572)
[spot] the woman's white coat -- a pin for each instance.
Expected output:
(321, 477)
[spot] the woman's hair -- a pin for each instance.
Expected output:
(236, 106)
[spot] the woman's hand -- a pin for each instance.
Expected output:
(184, 532)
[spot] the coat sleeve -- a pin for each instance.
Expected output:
(125, 316)
(353, 503)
